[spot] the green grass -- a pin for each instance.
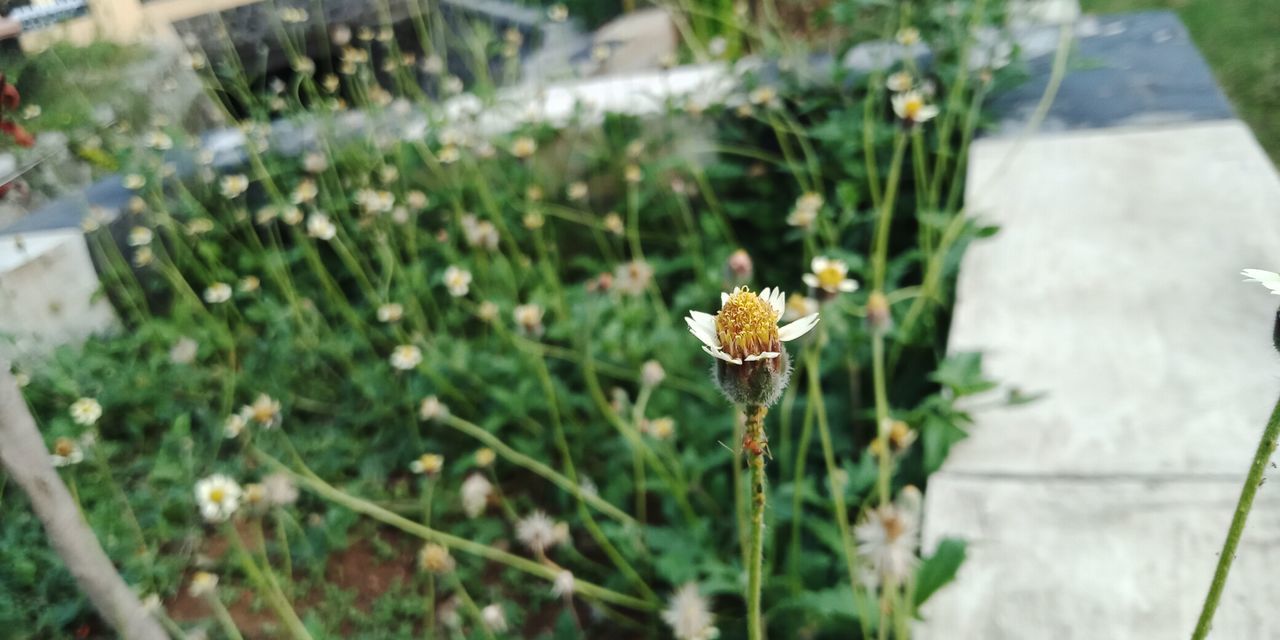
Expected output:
(1241, 41)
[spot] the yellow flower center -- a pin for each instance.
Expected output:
(912, 107)
(217, 495)
(830, 277)
(263, 413)
(893, 525)
(64, 447)
(747, 325)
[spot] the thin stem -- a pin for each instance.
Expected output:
(277, 602)
(225, 620)
(754, 443)
(1266, 447)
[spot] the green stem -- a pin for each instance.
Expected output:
(225, 620)
(1266, 447)
(277, 602)
(755, 570)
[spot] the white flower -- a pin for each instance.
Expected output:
(139, 237)
(806, 210)
(315, 162)
(689, 616)
(217, 293)
(159, 140)
(475, 494)
(539, 532)
(613, 223)
(66, 452)
(562, 586)
(652, 374)
(887, 538)
(746, 328)
(435, 558)
(320, 227)
(85, 411)
(133, 182)
(218, 497)
(661, 428)
(529, 319)
(911, 107)
(375, 201)
(291, 215)
(432, 409)
(577, 191)
(458, 281)
(633, 278)
(306, 191)
(1268, 279)
(280, 488)
(908, 36)
(899, 82)
(234, 185)
(406, 357)
(203, 584)
(829, 276)
(558, 12)
(184, 351)
(523, 147)
(249, 284)
(763, 96)
(799, 306)
(479, 233)
(233, 426)
(390, 312)
(428, 463)
(494, 618)
(265, 411)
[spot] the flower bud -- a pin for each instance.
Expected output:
(879, 319)
(738, 268)
(754, 383)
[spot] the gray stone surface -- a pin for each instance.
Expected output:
(1099, 558)
(47, 287)
(1113, 286)
(1129, 69)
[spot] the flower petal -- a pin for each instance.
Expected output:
(810, 280)
(798, 328)
(818, 264)
(716, 353)
(779, 305)
(703, 327)
(724, 297)
(764, 355)
(849, 285)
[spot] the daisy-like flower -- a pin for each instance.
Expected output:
(799, 306)
(390, 312)
(217, 293)
(577, 191)
(406, 357)
(529, 319)
(432, 409)
(689, 615)
(435, 558)
(255, 498)
(233, 426)
(218, 497)
(291, 215)
(806, 210)
(887, 538)
(475, 493)
(449, 154)
(199, 226)
(458, 281)
(265, 412)
(487, 311)
(143, 256)
(830, 276)
(558, 12)
(159, 141)
(427, 463)
(911, 107)
(320, 227)
(234, 185)
(184, 351)
(899, 82)
(249, 284)
(1268, 279)
(494, 618)
(202, 584)
(539, 532)
(65, 452)
(523, 147)
(485, 457)
(85, 411)
(744, 337)
(315, 161)
(140, 237)
(305, 192)
(633, 278)
(613, 223)
(563, 585)
(908, 36)
(280, 488)
(134, 181)
(763, 96)
(374, 201)
(661, 428)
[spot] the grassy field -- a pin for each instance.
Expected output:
(1241, 41)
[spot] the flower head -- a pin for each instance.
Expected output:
(406, 357)
(689, 616)
(458, 281)
(558, 12)
(494, 618)
(432, 409)
(435, 558)
(234, 185)
(233, 426)
(320, 227)
(218, 497)
(184, 351)
(908, 36)
(529, 319)
(66, 452)
(911, 107)
(485, 457)
(806, 210)
(202, 584)
(899, 82)
(539, 532)
(140, 237)
(280, 488)
(633, 278)
(390, 312)
(652, 374)
(265, 412)
(563, 585)
(523, 147)
(217, 293)
(85, 411)
(428, 464)
(829, 276)
(887, 538)
(751, 365)
(475, 493)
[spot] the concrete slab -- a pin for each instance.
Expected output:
(1088, 558)
(1113, 286)
(47, 293)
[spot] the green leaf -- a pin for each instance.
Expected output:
(962, 374)
(939, 569)
(938, 433)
